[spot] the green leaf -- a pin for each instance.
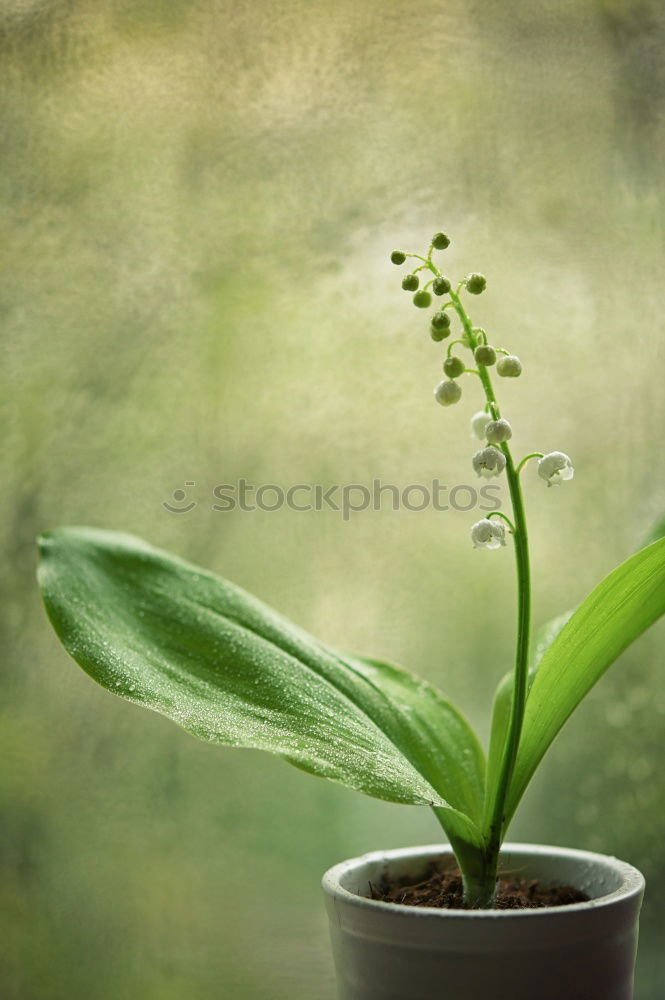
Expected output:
(543, 639)
(440, 740)
(620, 608)
(185, 643)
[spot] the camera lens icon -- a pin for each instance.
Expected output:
(179, 496)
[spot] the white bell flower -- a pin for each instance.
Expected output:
(498, 431)
(488, 534)
(555, 467)
(489, 462)
(479, 422)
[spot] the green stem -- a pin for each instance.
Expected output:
(495, 808)
(497, 513)
(475, 875)
(533, 454)
(452, 344)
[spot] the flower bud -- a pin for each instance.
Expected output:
(440, 241)
(453, 367)
(398, 257)
(476, 283)
(489, 462)
(479, 422)
(422, 299)
(440, 286)
(555, 467)
(498, 431)
(448, 393)
(410, 282)
(509, 366)
(485, 355)
(440, 320)
(439, 335)
(487, 534)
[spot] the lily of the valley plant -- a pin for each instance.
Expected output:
(183, 642)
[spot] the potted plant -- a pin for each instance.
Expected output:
(185, 643)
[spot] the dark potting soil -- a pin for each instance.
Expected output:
(443, 888)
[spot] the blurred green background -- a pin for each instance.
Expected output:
(199, 199)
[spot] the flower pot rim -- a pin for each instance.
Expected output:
(632, 883)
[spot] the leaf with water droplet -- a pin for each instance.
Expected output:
(229, 670)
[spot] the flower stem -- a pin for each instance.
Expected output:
(498, 513)
(533, 454)
(496, 800)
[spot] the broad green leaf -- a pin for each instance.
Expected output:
(544, 638)
(440, 740)
(620, 608)
(185, 643)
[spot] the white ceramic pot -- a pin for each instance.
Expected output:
(584, 951)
